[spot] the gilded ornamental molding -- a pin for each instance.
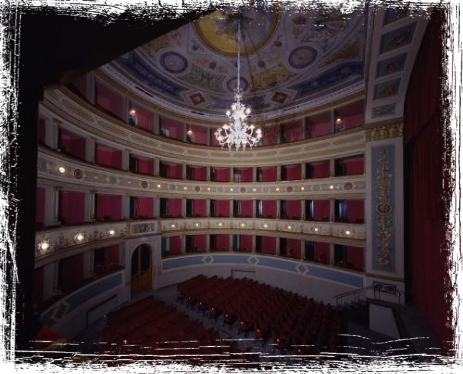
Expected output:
(384, 130)
(82, 175)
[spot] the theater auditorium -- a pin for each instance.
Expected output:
(244, 184)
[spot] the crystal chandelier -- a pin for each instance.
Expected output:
(237, 133)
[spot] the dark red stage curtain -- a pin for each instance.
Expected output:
(222, 208)
(199, 208)
(320, 169)
(355, 211)
(293, 248)
(354, 257)
(269, 174)
(144, 165)
(321, 211)
(318, 125)
(72, 144)
(269, 208)
(292, 172)
(243, 175)
(425, 207)
(198, 173)
(270, 135)
(292, 132)
(199, 242)
(106, 156)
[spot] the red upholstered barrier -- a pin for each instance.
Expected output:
(267, 174)
(246, 243)
(143, 118)
(175, 245)
(351, 115)
(321, 210)
(269, 208)
(198, 134)
(222, 241)
(171, 128)
(222, 208)
(269, 245)
(221, 174)
(355, 211)
(108, 207)
(318, 125)
(71, 144)
(292, 131)
(199, 242)
(292, 172)
(107, 156)
(199, 208)
(271, 134)
(321, 169)
(145, 206)
(109, 100)
(321, 252)
(71, 207)
(293, 209)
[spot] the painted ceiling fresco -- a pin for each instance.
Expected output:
(288, 57)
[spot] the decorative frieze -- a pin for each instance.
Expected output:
(384, 130)
(86, 175)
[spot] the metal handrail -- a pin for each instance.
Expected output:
(359, 291)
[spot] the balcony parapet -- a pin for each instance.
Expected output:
(85, 174)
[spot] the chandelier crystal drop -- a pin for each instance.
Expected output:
(237, 133)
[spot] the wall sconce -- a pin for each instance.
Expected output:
(79, 237)
(44, 245)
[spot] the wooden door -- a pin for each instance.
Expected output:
(141, 269)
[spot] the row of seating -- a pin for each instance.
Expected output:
(150, 329)
(293, 322)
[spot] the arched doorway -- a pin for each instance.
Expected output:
(141, 278)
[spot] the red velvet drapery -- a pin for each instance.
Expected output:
(424, 148)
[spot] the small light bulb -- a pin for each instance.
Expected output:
(331, 187)
(347, 232)
(208, 188)
(278, 189)
(220, 224)
(242, 225)
(184, 188)
(231, 189)
(79, 237)
(159, 186)
(302, 188)
(265, 225)
(173, 226)
(112, 232)
(289, 227)
(316, 229)
(254, 189)
(44, 245)
(62, 169)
